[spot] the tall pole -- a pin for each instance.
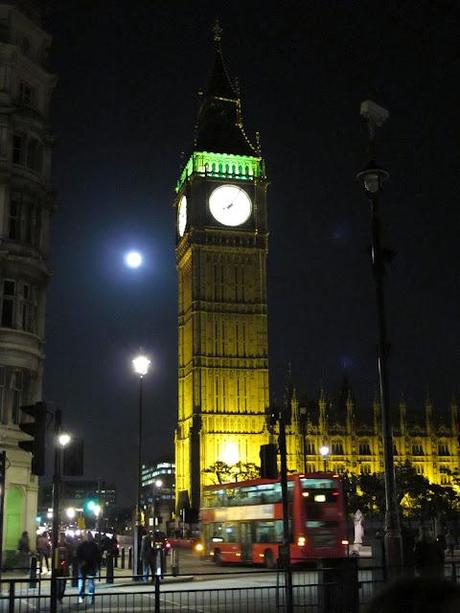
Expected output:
(56, 504)
(393, 543)
(98, 525)
(137, 570)
(285, 503)
(373, 176)
(139, 457)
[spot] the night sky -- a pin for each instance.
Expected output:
(124, 109)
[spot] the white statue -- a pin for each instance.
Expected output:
(359, 531)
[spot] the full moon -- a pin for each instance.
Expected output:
(133, 259)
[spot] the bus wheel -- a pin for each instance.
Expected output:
(269, 560)
(217, 557)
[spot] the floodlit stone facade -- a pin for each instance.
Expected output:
(26, 205)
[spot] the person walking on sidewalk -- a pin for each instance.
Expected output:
(62, 559)
(89, 560)
(146, 555)
(43, 550)
(24, 551)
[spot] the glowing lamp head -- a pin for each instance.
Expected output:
(141, 365)
(64, 439)
(158, 483)
(70, 512)
(133, 259)
(324, 451)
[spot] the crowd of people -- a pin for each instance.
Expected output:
(80, 556)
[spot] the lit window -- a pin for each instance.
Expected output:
(337, 448)
(364, 449)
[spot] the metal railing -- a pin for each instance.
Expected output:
(321, 590)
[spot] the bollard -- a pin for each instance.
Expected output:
(74, 573)
(33, 572)
(109, 578)
(123, 557)
(175, 562)
(130, 557)
(11, 598)
(158, 576)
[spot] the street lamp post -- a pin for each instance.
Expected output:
(141, 366)
(62, 439)
(324, 453)
(158, 484)
(279, 415)
(372, 178)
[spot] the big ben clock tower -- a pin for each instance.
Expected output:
(221, 255)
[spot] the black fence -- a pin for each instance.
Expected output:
(328, 589)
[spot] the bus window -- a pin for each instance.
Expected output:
(216, 532)
(318, 484)
(322, 533)
(319, 491)
(269, 531)
(231, 533)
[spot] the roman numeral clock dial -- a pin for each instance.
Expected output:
(230, 205)
(182, 215)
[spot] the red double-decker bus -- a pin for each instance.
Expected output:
(243, 522)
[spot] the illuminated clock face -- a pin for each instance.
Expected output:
(182, 215)
(230, 205)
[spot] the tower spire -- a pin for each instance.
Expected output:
(217, 34)
(220, 125)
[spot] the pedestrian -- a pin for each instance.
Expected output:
(114, 550)
(146, 556)
(428, 556)
(43, 550)
(62, 559)
(24, 550)
(89, 559)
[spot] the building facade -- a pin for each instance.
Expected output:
(221, 253)
(26, 205)
(158, 492)
(427, 441)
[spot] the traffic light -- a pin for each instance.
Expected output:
(36, 428)
(268, 461)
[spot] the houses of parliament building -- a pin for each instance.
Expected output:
(429, 443)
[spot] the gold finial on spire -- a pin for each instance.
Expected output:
(217, 31)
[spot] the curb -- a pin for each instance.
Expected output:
(141, 584)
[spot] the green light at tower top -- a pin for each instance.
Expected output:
(222, 165)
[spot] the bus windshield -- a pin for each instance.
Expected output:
(319, 491)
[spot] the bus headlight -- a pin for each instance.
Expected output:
(345, 542)
(301, 541)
